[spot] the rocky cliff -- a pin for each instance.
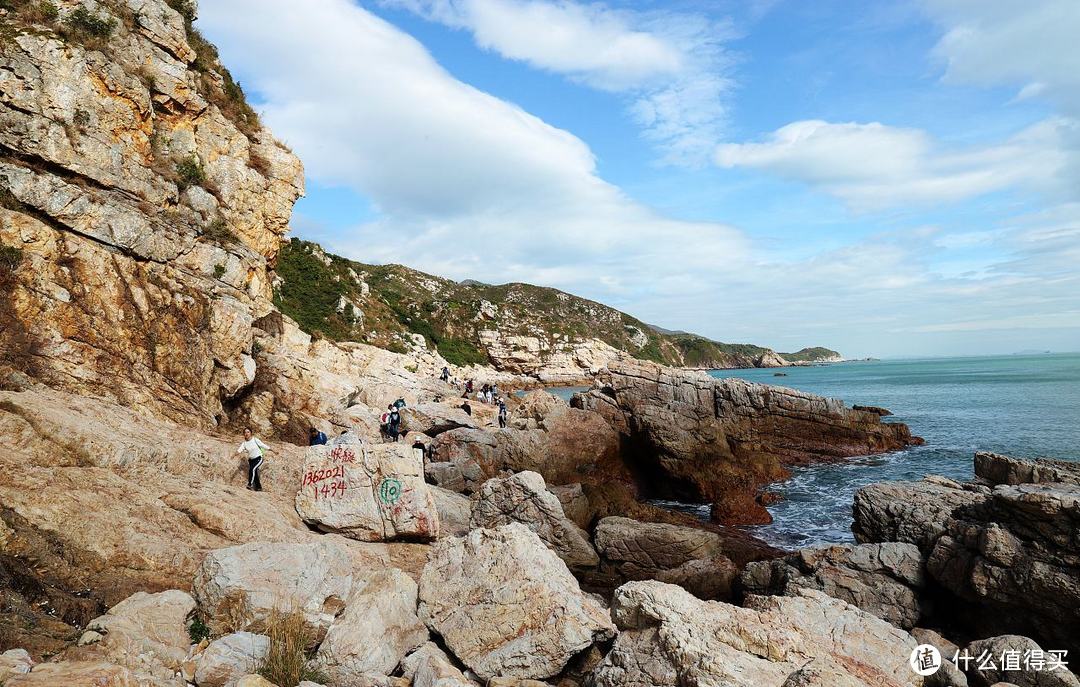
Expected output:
(142, 204)
(719, 440)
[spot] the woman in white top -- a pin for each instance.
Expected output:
(254, 450)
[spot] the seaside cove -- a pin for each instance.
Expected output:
(233, 459)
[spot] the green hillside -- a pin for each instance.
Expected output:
(386, 305)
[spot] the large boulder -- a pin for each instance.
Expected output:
(433, 419)
(231, 657)
(691, 558)
(883, 579)
(378, 628)
(719, 440)
(240, 587)
(669, 638)
(506, 605)
(1008, 553)
(564, 445)
(524, 498)
(146, 633)
(367, 492)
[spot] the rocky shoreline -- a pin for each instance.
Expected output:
(139, 335)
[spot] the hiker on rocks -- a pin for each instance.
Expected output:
(502, 414)
(421, 448)
(445, 374)
(468, 386)
(467, 408)
(393, 422)
(254, 449)
(316, 438)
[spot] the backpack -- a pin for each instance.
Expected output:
(384, 418)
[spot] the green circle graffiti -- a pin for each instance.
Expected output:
(390, 490)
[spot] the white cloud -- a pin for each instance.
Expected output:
(466, 184)
(1031, 44)
(672, 66)
(872, 166)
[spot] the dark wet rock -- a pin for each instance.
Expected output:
(882, 579)
(1008, 554)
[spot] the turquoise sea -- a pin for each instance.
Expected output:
(1022, 405)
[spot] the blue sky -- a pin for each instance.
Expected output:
(889, 178)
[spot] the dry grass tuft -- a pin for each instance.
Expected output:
(290, 641)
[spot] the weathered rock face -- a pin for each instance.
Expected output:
(560, 363)
(239, 587)
(719, 440)
(669, 638)
(378, 628)
(145, 203)
(563, 445)
(1008, 550)
(524, 498)
(369, 492)
(506, 605)
(883, 579)
(145, 633)
(691, 558)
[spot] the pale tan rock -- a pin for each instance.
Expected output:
(370, 492)
(669, 637)
(505, 604)
(524, 498)
(146, 633)
(75, 674)
(230, 658)
(243, 585)
(454, 510)
(429, 666)
(14, 662)
(378, 628)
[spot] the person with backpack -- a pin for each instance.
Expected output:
(466, 407)
(393, 423)
(253, 448)
(445, 374)
(316, 438)
(502, 414)
(384, 423)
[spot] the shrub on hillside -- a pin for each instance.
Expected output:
(190, 173)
